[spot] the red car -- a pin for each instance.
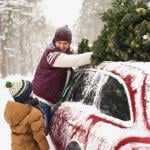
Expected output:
(105, 108)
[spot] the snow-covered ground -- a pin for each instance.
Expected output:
(5, 141)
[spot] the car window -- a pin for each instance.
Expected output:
(148, 101)
(91, 93)
(113, 99)
(66, 96)
(80, 87)
(101, 90)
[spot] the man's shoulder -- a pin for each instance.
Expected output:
(51, 48)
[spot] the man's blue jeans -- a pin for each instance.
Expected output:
(46, 109)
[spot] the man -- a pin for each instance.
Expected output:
(55, 67)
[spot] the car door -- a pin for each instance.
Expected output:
(106, 94)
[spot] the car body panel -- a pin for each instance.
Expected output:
(92, 129)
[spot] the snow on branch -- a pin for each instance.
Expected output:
(27, 14)
(4, 9)
(21, 3)
(3, 5)
(2, 37)
(9, 49)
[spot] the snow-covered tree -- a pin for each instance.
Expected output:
(89, 24)
(23, 33)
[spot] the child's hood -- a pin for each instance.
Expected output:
(15, 112)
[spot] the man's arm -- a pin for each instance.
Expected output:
(63, 60)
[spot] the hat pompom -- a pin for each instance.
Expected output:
(8, 84)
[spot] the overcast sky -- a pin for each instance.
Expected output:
(62, 12)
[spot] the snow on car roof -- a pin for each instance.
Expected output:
(138, 70)
(142, 66)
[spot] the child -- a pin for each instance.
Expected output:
(25, 119)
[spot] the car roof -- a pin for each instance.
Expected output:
(131, 66)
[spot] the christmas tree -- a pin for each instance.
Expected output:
(83, 46)
(126, 33)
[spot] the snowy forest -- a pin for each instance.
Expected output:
(25, 32)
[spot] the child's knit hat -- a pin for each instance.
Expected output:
(20, 90)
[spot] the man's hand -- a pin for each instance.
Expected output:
(87, 66)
